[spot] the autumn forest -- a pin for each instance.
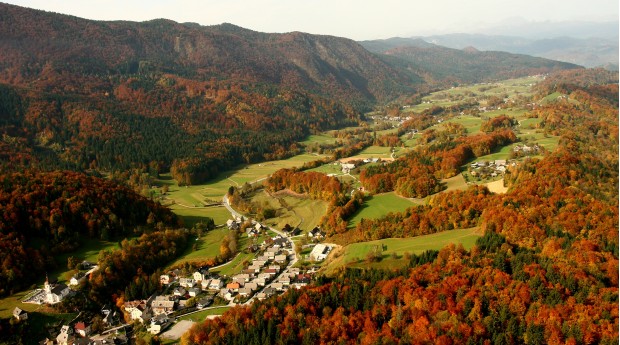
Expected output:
(94, 114)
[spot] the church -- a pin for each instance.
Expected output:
(56, 293)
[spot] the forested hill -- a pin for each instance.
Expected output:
(191, 99)
(45, 214)
(441, 64)
(37, 45)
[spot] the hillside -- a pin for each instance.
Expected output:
(467, 65)
(584, 51)
(46, 214)
(36, 44)
(545, 271)
(195, 100)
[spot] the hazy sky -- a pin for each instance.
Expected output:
(358, 20)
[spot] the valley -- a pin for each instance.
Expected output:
(190, 202)
(169, 182)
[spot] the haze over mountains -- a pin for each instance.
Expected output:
(586, 44)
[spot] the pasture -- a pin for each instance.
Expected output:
(393, 250)
(202, 315)
(302, 212)
(377, 206)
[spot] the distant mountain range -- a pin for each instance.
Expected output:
(587, 52)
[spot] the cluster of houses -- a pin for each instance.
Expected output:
(486, 169)
(266, 275)
(77, 333)
(525, 150)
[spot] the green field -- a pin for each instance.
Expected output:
(511, 88)
(471, 123)
(302, 212)
(379, 205)
(393, 249)
(319, 139)
(207, 246)
(188, 201)
(89, 250)
(192, 216)
(202, 315)
(372, 152)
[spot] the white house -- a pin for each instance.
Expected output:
(319, 252)
(164, 279)
(216, 284)
(187, 282)
(20, 314)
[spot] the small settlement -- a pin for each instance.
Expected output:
(269, 273)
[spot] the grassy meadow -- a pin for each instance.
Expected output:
(393, 250)
(377, 206)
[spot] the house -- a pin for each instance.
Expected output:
(245, 292)
(65, 337)
(251, 232)
(75, 280)
(347, 167)
(164, 279)
(254, 268)
(278, 286)
(274, 267)
(20, 314)
(232, 224)
(500, 162)
(252, 286)
(271, 272)
(216, 284)
(204, 302)
(227, 294)
(319, 252)
(158, 323)
(85, 265)
(286, 281)
(259, 263)
(135, 309)
(246, 277)
(233, 286)
(162, 306)
(317, 233)
(182, 304)
(82, 329)
(239, 281)
(193, 292)
(258, 227)
(280, 258)
(204, 284)
(187, 282)
(260, 281)
(201, 274)
(180, 291)
(303, 278)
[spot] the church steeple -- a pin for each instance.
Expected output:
(47, 287)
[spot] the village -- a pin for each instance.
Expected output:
(272, 271)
